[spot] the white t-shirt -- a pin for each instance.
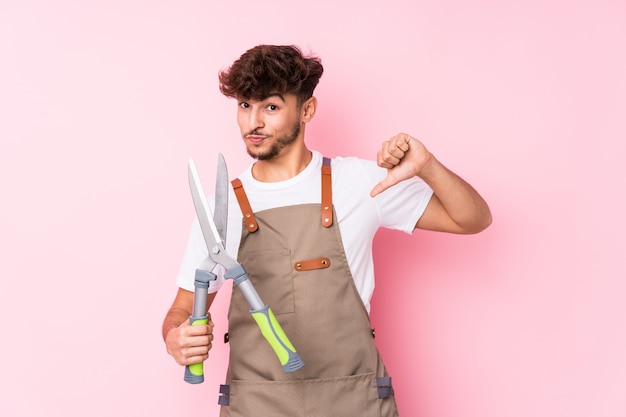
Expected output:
(359, 216)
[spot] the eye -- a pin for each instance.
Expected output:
(244, 105)
(272, 107)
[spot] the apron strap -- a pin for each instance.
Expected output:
(327, 194)
(327, 199)
(244, 204)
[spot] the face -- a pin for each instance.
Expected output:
(270, 125)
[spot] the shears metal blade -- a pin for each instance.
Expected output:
(213, 238)
(221, 198)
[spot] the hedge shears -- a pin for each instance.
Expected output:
(214, 232)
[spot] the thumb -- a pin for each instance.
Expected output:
(387, 182)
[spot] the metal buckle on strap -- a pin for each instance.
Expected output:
(224, 398)
(385, 389)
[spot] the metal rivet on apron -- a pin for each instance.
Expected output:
(326, 220)
(299, 266)
(324, 262)
(248, 215)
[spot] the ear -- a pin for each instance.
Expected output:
(308, 109)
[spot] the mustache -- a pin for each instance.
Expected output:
(256, 132)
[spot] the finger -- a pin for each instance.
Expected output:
(199, 330)
(198, 350)
(387, 182)
(380, 153)
(385, 158)
(197, 357)
(393, 151)
(199, 341)
(402, 141)
(378, 188)
(398, 147)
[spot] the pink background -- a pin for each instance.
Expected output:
(102, 103)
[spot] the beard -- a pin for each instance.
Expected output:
(281, 143)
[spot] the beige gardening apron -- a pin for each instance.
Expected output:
(294, 257)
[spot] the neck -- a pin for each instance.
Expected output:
(286, 165)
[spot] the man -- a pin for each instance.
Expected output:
(328, 226)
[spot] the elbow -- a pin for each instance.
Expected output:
(481, 223)
(475, 223)
(487, 222)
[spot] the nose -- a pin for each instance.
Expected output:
(255, 120)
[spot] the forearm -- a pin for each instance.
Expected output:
(175, 316)
(464, 206)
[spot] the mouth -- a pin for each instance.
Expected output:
(255, 139)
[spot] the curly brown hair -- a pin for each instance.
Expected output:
(271, 69)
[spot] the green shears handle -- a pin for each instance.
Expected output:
(194, 374)
(278, 340)
(262, 314)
